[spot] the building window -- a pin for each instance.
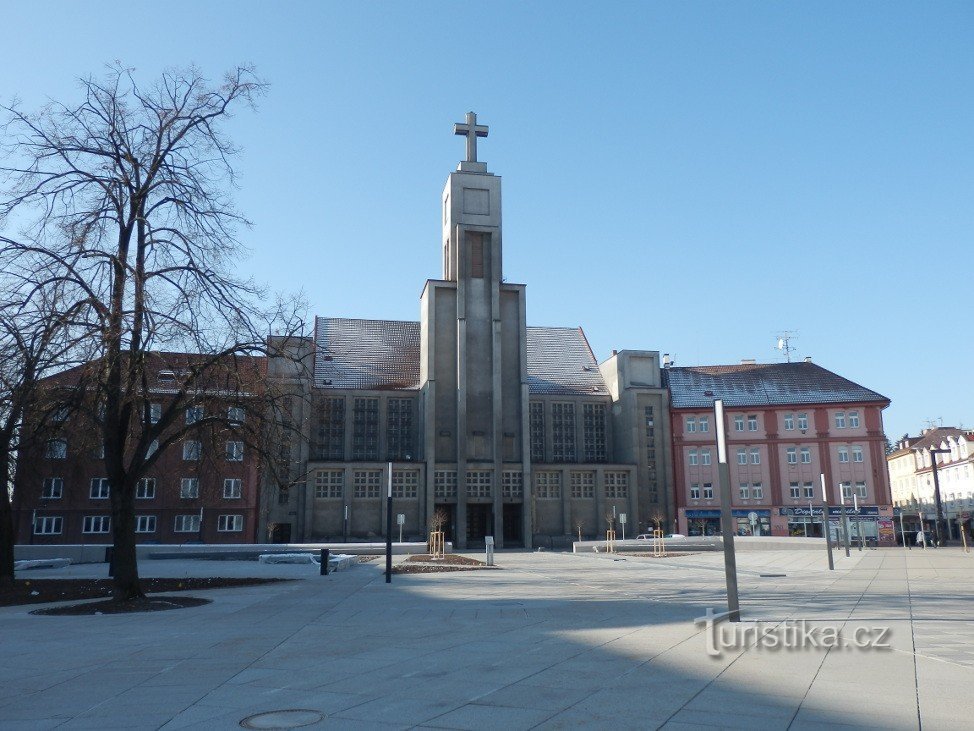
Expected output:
(187, 523)
(405, 484)
(479, 483)
(861, 490)
(755, 455)
(757, 490)
(739, 422)
(99, 488)
(365, 428)
(189, 488)
(789, 422)
(192, 450)
(791, 453)
(809, 490)
(445, 484)
(145, 524)
(512, 485)
(235, 451)
(155, 413)
(96, 524)
(705, 457)
(563, 431)
(229, 523)
(48, 525)
(694, 491)
(843, 454)
(53, 488)
(857, 454)
(399, 428)
(150, 450)
(794, 489)
(536, 410)
(146, 488)
(329, 484)
(691, 424)
(806, 455)
(708, 491)
(194, 414)
(547, 485)
(803, 422)
(741, 456)
(56, 449)
(752, 422)
(593, 428)
(236, 415)
(840, 420)
(583, 485)
(745, 491)
(232, 488)
(692, 455)
(283, 495)
(330, 429)
(366, 483)
(617, 484)
(853, 419)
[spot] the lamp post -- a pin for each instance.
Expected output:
(938, 503)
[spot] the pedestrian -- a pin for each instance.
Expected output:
(920, 541)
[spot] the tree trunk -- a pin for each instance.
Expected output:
(126, 564)
(6, 526)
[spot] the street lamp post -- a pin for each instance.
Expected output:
(938, 503)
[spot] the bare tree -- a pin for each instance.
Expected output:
(128, 193)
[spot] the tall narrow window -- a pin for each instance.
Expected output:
(365, 429)
(537, 431)
(476, 254)
(563, 431)
(399, 428)
(593, 421)
(330, 429)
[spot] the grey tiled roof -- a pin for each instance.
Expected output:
(384, 355)
(561, 362)
(763, 384)
(366, 354)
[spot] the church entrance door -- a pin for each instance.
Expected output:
(479, 524)
(512, 525)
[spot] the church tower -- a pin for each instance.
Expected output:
(473, 366)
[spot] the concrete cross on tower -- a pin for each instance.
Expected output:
(471, 130)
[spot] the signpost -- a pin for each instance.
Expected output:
(400, 521)
(826, 525)
(622, 521)
(389, 530)
(726, 517)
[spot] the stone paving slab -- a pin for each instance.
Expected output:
(550, 641)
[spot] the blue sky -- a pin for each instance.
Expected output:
(685, 177)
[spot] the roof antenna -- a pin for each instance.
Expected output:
(784, 343)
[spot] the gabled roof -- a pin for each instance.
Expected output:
(934, 437)
(763, 384)
(384, 355)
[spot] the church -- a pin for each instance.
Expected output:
(489, 426)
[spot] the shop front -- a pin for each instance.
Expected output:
(747, 522)
(868, 523)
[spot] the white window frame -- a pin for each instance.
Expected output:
(791, 455)
(843, 455)
(744, 491)
(145, 489)
(705, 457)
(695, 491)
(235, 451)
(806, 455)
(861, 490)
(739, 422)
(145, 523)
(789, 422)
(857, 454)
(853, 417)
(102, 522)
(189, 488)
(690, 424)
(795, 490)
(708, 491)
(757, 490)
(48, 525)
(752, 422)
(692, 457)
(840, 420)
(755, 455)
(704, 423)
(803, 422)
(232, 488)
(187, 523)
(99, 489)
(229, 524)
(809, 489)
(52, 488)
(192, 450)
(846, 488)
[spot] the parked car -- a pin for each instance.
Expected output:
(675, 536)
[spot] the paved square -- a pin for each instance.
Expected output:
(551, 641)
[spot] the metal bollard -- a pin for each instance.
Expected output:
(324, 562)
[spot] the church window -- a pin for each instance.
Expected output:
(365, 429)
(537, 431)
(445, 484)
(405, 484)
(616, 484)
(593, 420)
(329, 484)
(583, 485)
(547, 485)
(330, 429)
(366, 483)
(399, 428)
(512, 485)
(479, 483)
(563, 431)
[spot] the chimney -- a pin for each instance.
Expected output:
(748, 361)
(808, 359)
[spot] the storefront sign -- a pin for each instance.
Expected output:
(834, 511)
(691, 514)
